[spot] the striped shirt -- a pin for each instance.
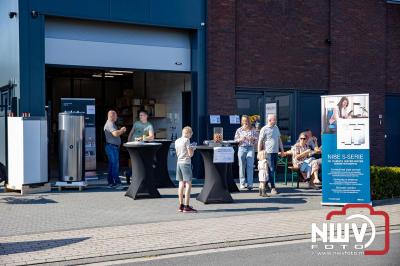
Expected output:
(298, 149)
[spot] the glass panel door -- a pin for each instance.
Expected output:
(249, 103)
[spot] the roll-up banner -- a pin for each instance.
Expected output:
(345, 149)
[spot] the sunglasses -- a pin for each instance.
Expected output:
(302, 138)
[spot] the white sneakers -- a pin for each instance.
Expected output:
(274, 191)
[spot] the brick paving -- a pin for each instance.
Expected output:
(99, 207)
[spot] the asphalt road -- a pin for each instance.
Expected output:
(289, 253)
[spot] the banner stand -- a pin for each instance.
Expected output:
(345, 149)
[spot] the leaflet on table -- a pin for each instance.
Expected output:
(345, 156)
(223, 155)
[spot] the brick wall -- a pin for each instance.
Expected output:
(282, 44)
(393, 49)
(358, 59)
(221, 56)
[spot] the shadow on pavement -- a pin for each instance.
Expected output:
(171, 196)
(246, 209)
(301, 195)
(386, 202)
(275, 199)
(19, 200)
(31, 246)
(89, 189)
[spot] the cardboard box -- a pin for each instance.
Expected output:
(128, 92)
(160, 110)
(136, 101)
(135, 112)
(149, 109)
(161, 134)
(123, 102)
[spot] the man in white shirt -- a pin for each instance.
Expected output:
(270, 142)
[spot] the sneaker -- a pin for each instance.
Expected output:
(189, 209)
(111, 186)
(181, 207)
(274, 191)
(242, 187)
(263, 193)
(249, 188)
(313, 186)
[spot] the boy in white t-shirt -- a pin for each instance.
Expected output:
(184, 152)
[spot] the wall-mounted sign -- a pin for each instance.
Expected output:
(215, 119)
(234, 119)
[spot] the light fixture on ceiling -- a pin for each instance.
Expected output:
(100, 76)
(121, 71)
(114, 74)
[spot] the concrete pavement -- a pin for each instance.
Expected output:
(101, 207)
(155, 227)
(278, 253)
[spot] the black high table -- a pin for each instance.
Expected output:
(162, 179)
(215, 189)
(142, 158)
(233, 169)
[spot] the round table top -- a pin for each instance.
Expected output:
(231, 142)
(159, 140)
(139, 144)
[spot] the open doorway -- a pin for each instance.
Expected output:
(127, 92)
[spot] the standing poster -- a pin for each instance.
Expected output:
(345, 149)
(224, 155)
(87, 106)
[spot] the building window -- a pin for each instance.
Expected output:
(296, 110)
(256, 103)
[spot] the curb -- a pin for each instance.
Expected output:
(169, 251)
